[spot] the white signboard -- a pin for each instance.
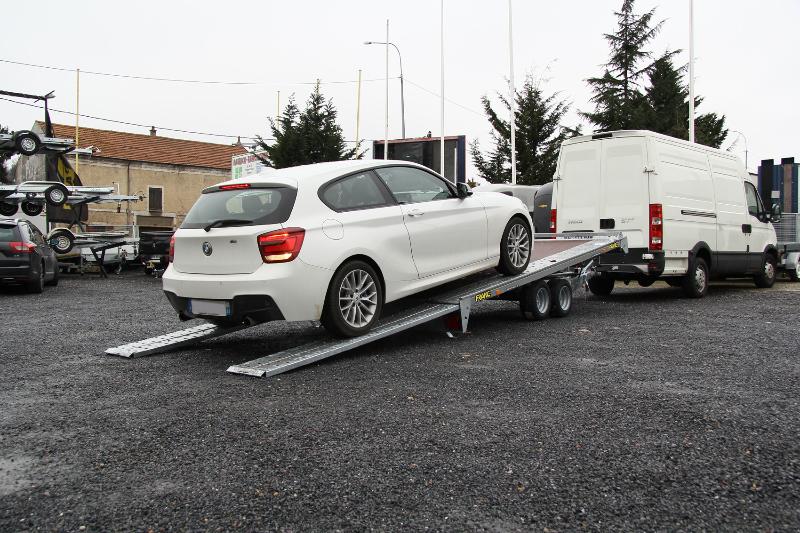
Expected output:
(246, 165)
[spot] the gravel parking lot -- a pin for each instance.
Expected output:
(642, 411)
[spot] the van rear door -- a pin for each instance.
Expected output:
(603, 186)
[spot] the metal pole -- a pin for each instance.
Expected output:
(441, 59)
(402, 93)
(358, 110)
(386, 124)
(77, 113)
(278, 112)
(512, 98)
(691, 71)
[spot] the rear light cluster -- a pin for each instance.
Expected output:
(281, 246)
(234, 186)
(172, 249)
(553, 227)
(656, 227)
(22, 247)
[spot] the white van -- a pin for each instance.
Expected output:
(688, 210)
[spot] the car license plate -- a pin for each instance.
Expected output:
(209, 307)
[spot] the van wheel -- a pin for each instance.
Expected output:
(535, 301)
(766, 279)
(515, 247)
(601, 285)
(695, 283)
(354, 300)
(561, 296)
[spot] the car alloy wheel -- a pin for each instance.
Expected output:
(519, 245)
(358, 298)
(700, 279)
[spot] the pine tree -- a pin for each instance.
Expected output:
(310, 136)
(668, 106)
(539, 135)
(619, 102)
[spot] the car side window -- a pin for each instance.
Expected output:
(753, 202)
(410, 185)
(25, 232)
(36, 235)
(357, 191)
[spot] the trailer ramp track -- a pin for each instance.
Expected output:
(570, 255)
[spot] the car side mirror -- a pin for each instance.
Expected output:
(463, 190)
(776, 212)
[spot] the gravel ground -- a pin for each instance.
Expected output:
(641, 411)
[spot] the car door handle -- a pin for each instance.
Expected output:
(416, 213)
(747, 228)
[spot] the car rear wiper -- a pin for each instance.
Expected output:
(227, 222)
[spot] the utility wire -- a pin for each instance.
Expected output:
(178, 80)
(437, 95)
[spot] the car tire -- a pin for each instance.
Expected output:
(561, 298)
(516, 246)
(769, 270)
(36, 285)
(354, 300)
(54, 282)
(7, 209)
(61, 240)
(535, 301)
(794, 274)
(56, 195)
(695, 283)
(601, 285)
(27, 143)
(31, 209)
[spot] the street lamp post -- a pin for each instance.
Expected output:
(745, 146)
(402, 92)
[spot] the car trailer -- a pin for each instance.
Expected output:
(787, 230)
(560, 264)
(33, 195)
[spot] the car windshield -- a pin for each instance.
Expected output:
(249, 207)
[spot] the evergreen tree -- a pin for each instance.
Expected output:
(619, 102)
(310, 136)
(668, 106)
(539, 135)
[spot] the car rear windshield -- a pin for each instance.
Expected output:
(253, 206)
(8, 233)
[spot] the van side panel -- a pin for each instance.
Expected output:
(578, 187)
(732, 242)
(682, 184)
(625, 195)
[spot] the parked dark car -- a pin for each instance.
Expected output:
(25, 256)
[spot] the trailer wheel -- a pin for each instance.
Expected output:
(27, 143)
(794, 274)
(31, 209)
(535, 301)
(8, 210)
(61, 240)
(56, 195)
(561, 296)
(601, 285)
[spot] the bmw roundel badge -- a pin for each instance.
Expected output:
(207, 248)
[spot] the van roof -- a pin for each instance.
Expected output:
(646, 133)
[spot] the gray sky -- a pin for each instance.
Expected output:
(746, 61)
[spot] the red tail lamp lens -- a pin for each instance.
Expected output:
(281, 246)
(656, 227)
(553, 228)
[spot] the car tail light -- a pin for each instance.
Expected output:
(22, 247)
(281, 246)
(656, 227)
(234, 186)
(171, 249)
(553, 226)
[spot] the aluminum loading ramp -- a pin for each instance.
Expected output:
(567, 256)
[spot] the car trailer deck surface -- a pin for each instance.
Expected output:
(568, 256)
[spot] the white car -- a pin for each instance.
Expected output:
(335, 241)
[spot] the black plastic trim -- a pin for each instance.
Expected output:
(257, 307)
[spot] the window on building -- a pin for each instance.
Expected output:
(155, 198)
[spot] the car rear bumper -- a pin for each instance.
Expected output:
(16, 274)
(289, 291)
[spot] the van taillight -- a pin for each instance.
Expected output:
(172, 249)
(22, 247)
(281, 246)
(656, 227)
(553, 227)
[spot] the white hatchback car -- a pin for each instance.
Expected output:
(335, 241)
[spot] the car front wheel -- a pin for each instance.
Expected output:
(354, 300)
(766, 278)
(515, 247)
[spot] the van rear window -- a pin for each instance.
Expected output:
(257, 206)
